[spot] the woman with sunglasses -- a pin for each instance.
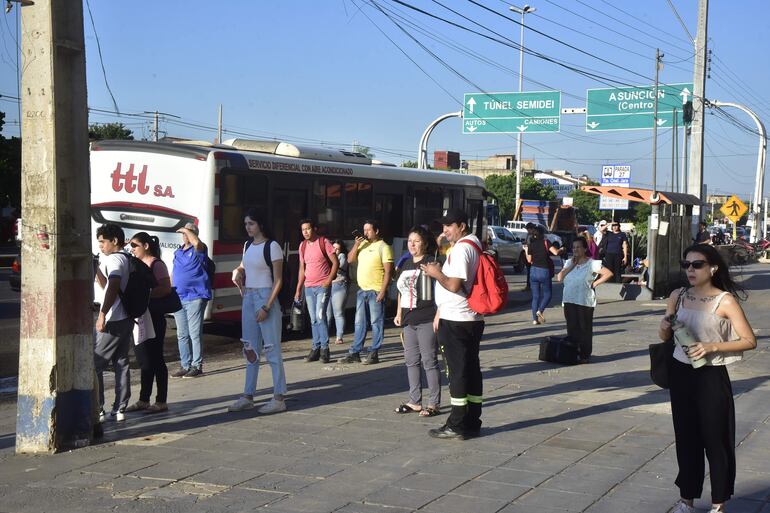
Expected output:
(146, 248)
(701, 399)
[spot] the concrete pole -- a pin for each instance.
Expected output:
(219, 125)
(652, 238)
(422, 151)
(156, 126)
(56, 362)
(759, 183)
(695, 173)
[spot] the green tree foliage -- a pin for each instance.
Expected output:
(10, 168)
(366, 150)
(98, 132)
(504, 189)
(409, 163)
(586, 207)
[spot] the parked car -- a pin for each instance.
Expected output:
(15, 278)
(509, 249)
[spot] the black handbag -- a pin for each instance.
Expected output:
(661, 354)
(169, 303)
(560, 350)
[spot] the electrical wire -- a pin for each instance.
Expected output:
(101, 59)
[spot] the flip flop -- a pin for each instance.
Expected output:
(429, 412)
(405, 408)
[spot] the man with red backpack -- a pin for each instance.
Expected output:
(459, 328)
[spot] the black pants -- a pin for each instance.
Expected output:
(153, 364)
(459, 341)
(580, 326)
(613, 261)
(704, 421)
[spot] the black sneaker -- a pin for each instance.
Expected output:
(194, 372)
(313, 355)
(372, 357)
(447, 433)
(325, 357)
(180, 373)
(350, 358)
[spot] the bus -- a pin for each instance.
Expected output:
(159, 187)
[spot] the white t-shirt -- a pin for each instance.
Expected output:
(115, 264)
(257, 271)
(462, 262)
(577, 284)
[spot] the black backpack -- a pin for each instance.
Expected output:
(211, 270)
(136, 297)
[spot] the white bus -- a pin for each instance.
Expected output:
(158, 187)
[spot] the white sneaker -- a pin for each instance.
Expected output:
(717, 509)
(241, 404)
(102, 416)
(274, 406)
(683, 507)
(120, 415)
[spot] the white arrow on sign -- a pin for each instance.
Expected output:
(593, 124)
(661, 122)
(684, 94)
(471, 103)
(522, 128)
(471, 128)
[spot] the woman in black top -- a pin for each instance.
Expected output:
(539, 252)
(416, 316)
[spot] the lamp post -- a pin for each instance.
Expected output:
(522, 11)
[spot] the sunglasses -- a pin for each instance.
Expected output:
(134, 244)
(696, 264)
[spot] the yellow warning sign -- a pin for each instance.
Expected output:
(734, 209)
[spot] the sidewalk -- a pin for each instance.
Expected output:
(592, 438)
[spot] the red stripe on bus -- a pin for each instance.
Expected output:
(221, 248)
(223, 281)
(233, 315)
(216, 180)
(216, 212)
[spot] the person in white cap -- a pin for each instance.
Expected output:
(600, 232)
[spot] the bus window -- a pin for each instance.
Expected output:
(328, 209)
(428, 207)
(358, 205)
(388, 211)
(238, 193)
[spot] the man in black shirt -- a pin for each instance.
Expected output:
(615, 250)
(703, 236)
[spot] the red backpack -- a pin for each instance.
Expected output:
(489, 293)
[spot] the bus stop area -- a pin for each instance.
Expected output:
(589, 438)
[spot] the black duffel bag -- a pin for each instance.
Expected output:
(167, 304)
(560, 350)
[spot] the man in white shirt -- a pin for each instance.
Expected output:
(458, 327)
(114, 328)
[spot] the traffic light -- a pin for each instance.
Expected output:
(687, 112)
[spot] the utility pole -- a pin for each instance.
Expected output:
(156, 126)
(674, 151)
(695, 173)
(652, 239)
(56, 369)
(219, 126)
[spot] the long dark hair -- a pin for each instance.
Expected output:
(343, 248)
(721, 279)
(151, 240)
(255, 216)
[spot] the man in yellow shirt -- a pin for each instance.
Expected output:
(373, 272)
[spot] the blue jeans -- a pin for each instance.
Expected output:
(336, 308)
(189, 331)
(364, 299)
(317, 299)
(264, 338)
(540, 282)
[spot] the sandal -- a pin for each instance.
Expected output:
(338, 341)
(138, 406)
(405, 408)
(157, 408)
(430, 411)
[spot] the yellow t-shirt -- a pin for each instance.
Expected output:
(371, 271)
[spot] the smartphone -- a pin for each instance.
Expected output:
(356, 234)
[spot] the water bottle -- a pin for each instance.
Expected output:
(297, 319)
(684, 339)
(426, 287)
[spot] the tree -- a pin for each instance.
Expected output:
(97, 132)
(364, 149)
(504, 189)
(409, 163)
(586, 207)
(10, 168)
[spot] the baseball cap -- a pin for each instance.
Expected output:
(192, 227)
(602, 223)
(454, 215)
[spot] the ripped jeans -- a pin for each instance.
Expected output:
(264, 338)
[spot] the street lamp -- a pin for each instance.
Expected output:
(522, 11)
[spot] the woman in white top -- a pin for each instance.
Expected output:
(259, 285)
(581, 275)
(702, 399)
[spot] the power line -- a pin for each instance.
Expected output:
(681, 22)
(101, 60)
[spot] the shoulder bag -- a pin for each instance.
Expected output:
(661, 354)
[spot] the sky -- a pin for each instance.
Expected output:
(376, 72)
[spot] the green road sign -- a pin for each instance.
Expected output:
(632, 108)
(506, 113)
